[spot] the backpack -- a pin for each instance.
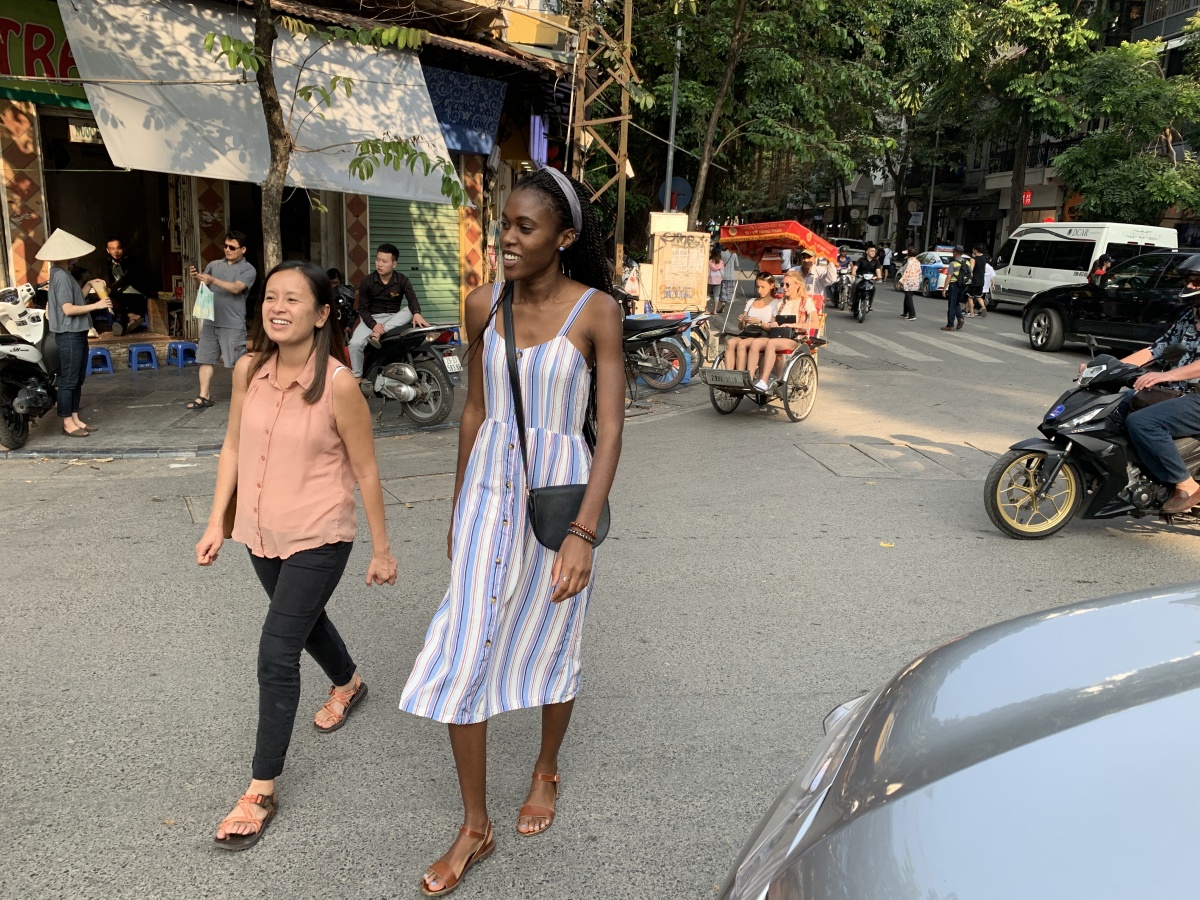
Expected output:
(962, 271)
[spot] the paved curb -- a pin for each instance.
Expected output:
(90, 451)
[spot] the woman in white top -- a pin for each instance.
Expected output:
(798, 312)
(760, 311)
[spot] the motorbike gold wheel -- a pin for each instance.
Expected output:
(1011, 495)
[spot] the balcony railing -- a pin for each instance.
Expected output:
(1037, 156)
(1156, 10)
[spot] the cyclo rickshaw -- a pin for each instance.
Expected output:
(795, 379)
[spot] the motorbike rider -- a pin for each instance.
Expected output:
(1153, 428)
(386, 300)
(868, 264)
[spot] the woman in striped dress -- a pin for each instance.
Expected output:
(508, 633)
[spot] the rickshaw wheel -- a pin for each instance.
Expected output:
(722, 401)
(800, 387)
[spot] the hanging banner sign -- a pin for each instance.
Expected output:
(33, 44)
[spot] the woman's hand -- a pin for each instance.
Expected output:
(572, 568)
(450, 543)
(382, 569)
(210, 545)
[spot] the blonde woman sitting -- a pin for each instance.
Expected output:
(760, 311)
(799, 313)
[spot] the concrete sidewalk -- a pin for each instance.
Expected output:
(144, 415)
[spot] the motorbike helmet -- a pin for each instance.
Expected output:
(1190, 270)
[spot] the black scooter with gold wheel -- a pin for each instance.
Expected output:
(1083, 465)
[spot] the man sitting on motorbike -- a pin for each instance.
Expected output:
(799, 314)
(868, 264)
(1152, 429)
(759, 312)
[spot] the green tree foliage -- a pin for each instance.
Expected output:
(1022, 74)
(284, 127)
(1134, 170)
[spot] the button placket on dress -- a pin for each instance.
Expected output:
(262, 460)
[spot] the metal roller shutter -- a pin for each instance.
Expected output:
(426, 235)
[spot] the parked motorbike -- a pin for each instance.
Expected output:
(28, 365)
(413, 366)
(863, 296)
(654, 352)
(1083, 465)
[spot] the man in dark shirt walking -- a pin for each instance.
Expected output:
(381, 305)
(955, 289)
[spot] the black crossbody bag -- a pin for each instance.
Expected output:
(551, 509)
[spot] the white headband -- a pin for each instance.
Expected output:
(568, 189)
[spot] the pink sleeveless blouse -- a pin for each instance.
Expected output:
(295, 484)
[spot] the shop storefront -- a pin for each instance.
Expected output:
(164, 151)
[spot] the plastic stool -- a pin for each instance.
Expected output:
(182, 353)
(136, 354)
(104, 358)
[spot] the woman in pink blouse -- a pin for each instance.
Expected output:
(299, 438)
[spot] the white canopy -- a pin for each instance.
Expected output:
(180, 110)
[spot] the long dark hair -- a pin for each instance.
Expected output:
(327, 339)
(585, 260)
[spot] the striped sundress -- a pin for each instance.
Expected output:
(497, 642)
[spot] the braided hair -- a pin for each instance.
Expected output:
(585, 260)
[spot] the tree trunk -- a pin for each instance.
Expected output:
(278, 137)
(1016, 189)
(736, 43)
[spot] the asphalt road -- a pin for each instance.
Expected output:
(758, 573)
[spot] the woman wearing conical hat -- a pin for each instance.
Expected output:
(70, 319)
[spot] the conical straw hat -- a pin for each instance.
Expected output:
(63, 245)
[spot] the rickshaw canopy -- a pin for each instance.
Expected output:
(756, 239)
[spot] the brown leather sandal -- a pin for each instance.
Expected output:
(242, 815)
(531, 811)
(442, 871)
(339, 704)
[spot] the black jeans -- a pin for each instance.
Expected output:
(909, 309)
(299, 588)
(72, 363)
(954, 298)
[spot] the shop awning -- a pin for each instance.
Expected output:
(164, 104)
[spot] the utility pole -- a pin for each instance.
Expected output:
(668, 194)
(937, 136)
(623, 151)
(582, 58)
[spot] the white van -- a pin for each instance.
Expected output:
(1043, 255)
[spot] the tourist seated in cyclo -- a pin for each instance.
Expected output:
(797, 318)
(757, 317)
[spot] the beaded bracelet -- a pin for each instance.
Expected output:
(581, 534)
(591, 534)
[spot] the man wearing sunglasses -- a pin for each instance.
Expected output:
(224, 337)
(1154, 422)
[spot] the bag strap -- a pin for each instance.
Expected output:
(514, 376)
(514, 380)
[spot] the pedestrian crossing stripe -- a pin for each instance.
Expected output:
(898, 349)
(1024, 353)
(943, 343)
